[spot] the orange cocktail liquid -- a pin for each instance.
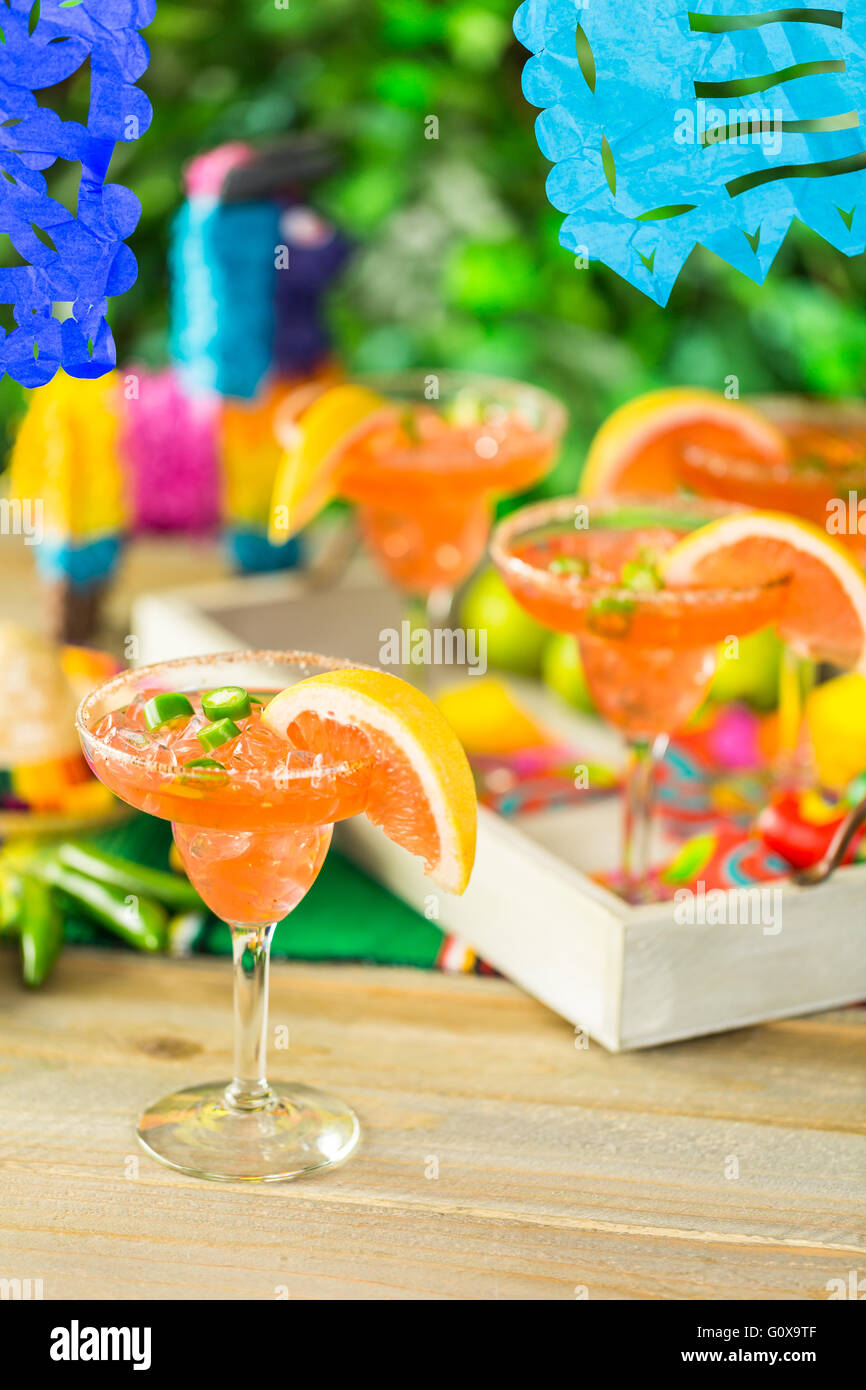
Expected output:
(648, 657)
(253, 833)
(826, 465)
(424, 487)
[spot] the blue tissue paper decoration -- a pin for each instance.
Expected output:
(77, 258)
(227, 291)
(223, 291)
(677, 122)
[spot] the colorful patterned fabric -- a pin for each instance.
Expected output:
(168, 442)
(67, 455)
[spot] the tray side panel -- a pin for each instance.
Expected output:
(682, 980)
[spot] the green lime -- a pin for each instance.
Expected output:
(562, 671)
(514, 640)
(749, 670)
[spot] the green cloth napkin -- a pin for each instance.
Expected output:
(345, 916)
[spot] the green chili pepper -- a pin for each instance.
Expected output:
(10, 899)
(203, 773)
(41, 929)
(642, 578)
(410, 426)
(610, 616)
(215, 735)
(163, 708)
(137, 879)
(229, 702)
(811, 463)
(135, 919)
(569, 564)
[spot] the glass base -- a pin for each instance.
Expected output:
(298, 1131)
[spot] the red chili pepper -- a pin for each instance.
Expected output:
(790, 827)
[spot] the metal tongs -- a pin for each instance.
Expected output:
(839, 845)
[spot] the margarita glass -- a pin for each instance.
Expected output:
(253, 831)
(825, 464)
(594, 568)
(822, 480)
(424, 480)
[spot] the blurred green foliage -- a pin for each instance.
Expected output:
(458, 260)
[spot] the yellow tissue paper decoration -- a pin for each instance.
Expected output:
(66, 454)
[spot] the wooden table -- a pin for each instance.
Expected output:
(499, 1161)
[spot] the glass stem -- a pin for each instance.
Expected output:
(438, 608)
(644, 755)
(426, 615)
(251, 953)
(795, 761)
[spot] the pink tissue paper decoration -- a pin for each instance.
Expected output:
(205, 175)
(168, 439)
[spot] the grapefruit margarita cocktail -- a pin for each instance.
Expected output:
(803, 460)
(819, 475)
(596, 568)
(422, 456)
(253, 756)
(424, 483)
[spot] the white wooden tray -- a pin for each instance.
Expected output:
(629, 977)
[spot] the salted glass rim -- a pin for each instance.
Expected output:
(783, 408)
(559, 508)
(541, 412)
(263, 656)
(413, 380)
(751, 465)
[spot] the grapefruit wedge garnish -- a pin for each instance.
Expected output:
(323, 434)
(421, 790)
(639, 446)
(823, 613)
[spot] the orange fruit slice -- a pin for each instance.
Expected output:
(639, 446)
(422, 793)
(824, 610)
(323, 435)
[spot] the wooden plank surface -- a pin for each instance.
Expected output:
(563, 1171)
